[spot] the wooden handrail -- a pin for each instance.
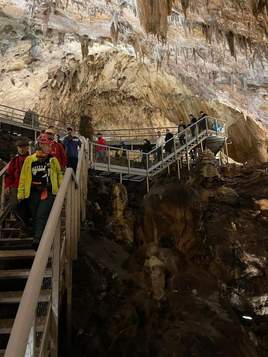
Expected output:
(25, 316)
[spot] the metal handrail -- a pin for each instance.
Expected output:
(2, 199)
(210, 126)
(18, 116)
(176, 136)
(51, 238)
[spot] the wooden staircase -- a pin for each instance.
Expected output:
(16, 258)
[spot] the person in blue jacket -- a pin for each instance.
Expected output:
(72, 144)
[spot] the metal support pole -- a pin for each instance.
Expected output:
(147, 183)
(128, 162)
(121, 178)
(202, 148)
(187, 154)
(91, 153)
(206, 119)
(109, 160)
(226, 150)
(179, 171)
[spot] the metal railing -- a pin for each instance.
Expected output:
(27, 119)
(2, 198)
(147, 164)
(56, 251)
(133, 134)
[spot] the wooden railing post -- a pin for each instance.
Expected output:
(68, 266)
(55, 291)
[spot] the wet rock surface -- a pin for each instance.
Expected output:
(196, 266)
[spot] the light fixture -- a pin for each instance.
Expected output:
(247, 317)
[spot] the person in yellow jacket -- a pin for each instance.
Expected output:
(39, 182)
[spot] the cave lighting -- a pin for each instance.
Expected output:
(247, 317)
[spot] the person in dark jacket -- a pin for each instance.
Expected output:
(72, 144)
(202, 123)
(146, 147)
(11, 182)
(169, 140)
(181, 127)
(193, 128)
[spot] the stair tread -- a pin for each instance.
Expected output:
(15, 240)
(17, 254)
(20, 273)
(15, 296)
(10, 229)
(6, 325)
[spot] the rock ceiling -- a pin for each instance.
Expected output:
(218, 48)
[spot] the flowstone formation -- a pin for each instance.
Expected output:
(215, 50)
(194, 281)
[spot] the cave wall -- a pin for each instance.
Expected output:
(119, 92)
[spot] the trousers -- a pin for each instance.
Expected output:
(40, 210)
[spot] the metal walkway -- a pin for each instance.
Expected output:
(135, 165)
(26, 122)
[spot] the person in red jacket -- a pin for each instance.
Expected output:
(57, 149)
(100, 150)
(11, 182)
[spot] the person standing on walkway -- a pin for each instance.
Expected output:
(181, 128)
(11, 182)
(169, 142)
(193, 127)
(146, 148)
(160, 142)
(57, 149)
(100, 148)
(71, 143)
(39, 182)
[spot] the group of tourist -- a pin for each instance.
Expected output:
(32, 180)
(164, 144)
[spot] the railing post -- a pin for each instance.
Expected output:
(109, 159)
(91, 153)
(226, 150)
(187, 154)
(55, 291)
(206, 119)
(2, 194)
(147, 163)
(128, 161)
(68, 266)
(31, 344)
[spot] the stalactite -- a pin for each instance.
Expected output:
(153, 16)
(231, 42)
(185, 5)
(259, 6)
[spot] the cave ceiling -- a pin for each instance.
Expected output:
(217, 47)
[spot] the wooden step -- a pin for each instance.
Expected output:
(20, 274)
(10, 229)
(14, 297)
(6, 325)
(6, 241)
(17, 254)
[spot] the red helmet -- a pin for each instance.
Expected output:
(43, 139)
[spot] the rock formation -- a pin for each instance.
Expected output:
(194, 281)
(213, 54)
